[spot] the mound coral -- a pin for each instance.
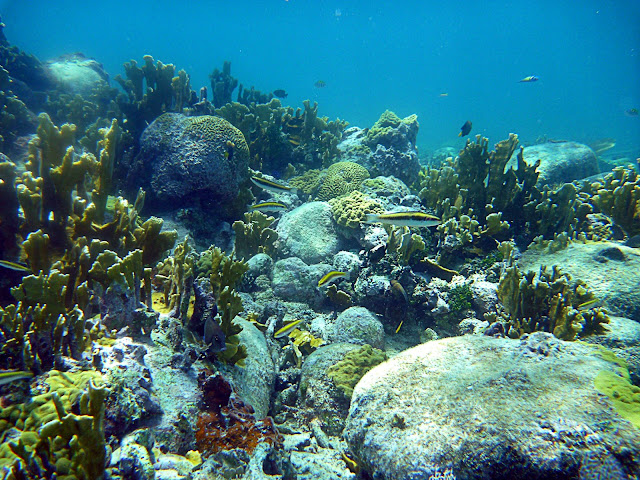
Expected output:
(351, 210)
(342, 178)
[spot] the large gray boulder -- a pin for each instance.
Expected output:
(318, 392)
(77, 74)
(309, 233)
(191, 160)
(295, 281)
(484, 408)
(359, 326)
(253, 382)
(562, 162)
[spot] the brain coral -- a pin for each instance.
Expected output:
(351, 209)
(342, 178)
(185, 159)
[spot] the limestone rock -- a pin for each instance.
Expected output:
(562, 162)
(359, 326)
(477, 407)
(308, 232)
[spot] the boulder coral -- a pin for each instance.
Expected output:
(197, 160)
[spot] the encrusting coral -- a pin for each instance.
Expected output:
(60, 433)
(348, 371)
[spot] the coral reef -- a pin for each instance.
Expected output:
(348, 371)
(550, 303)
(351, 210)
(279, 136)
(164, 92)
(222, 85)
(228, 423)
(342, 178)
(218, 159)
(254, 236)
(618, 196)
(60, 432)
(224, 274)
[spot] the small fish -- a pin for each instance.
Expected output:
(320, 84)
(280, 93)
(465, 129)
(214, 336)
(530, 78)
(287, 329)
(398, 290)
(399, 326)
(272, 186)
(406, 219)
(632, 112)
(268, 207)
(294, 140)
(331, 276)
(18, 267)
(9, 376)
(351, 464)
(589, 304)
(443, 95)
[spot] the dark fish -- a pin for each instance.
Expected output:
(632, 112)
(530, 78)
(633, 242)
(465, 129)
(214, 336)
(398, 290)
(320, 84)
(280, 93)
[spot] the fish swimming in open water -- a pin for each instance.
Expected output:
(272, 186)
(529, 79)
(405, 219)
(465, 129)
(280, 93)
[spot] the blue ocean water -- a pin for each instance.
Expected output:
(376, 55)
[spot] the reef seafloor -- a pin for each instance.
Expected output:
(199, 288)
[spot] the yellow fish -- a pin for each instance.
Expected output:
(18, 267)
(406, 219)
(287, 329)
(331, 276)
(9, 376)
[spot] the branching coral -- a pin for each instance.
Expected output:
(253, 235)
(278, 136)
(224, 274)
(618, 196)
(60, 432)
(551, 303)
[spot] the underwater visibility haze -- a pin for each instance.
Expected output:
(319, 240)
